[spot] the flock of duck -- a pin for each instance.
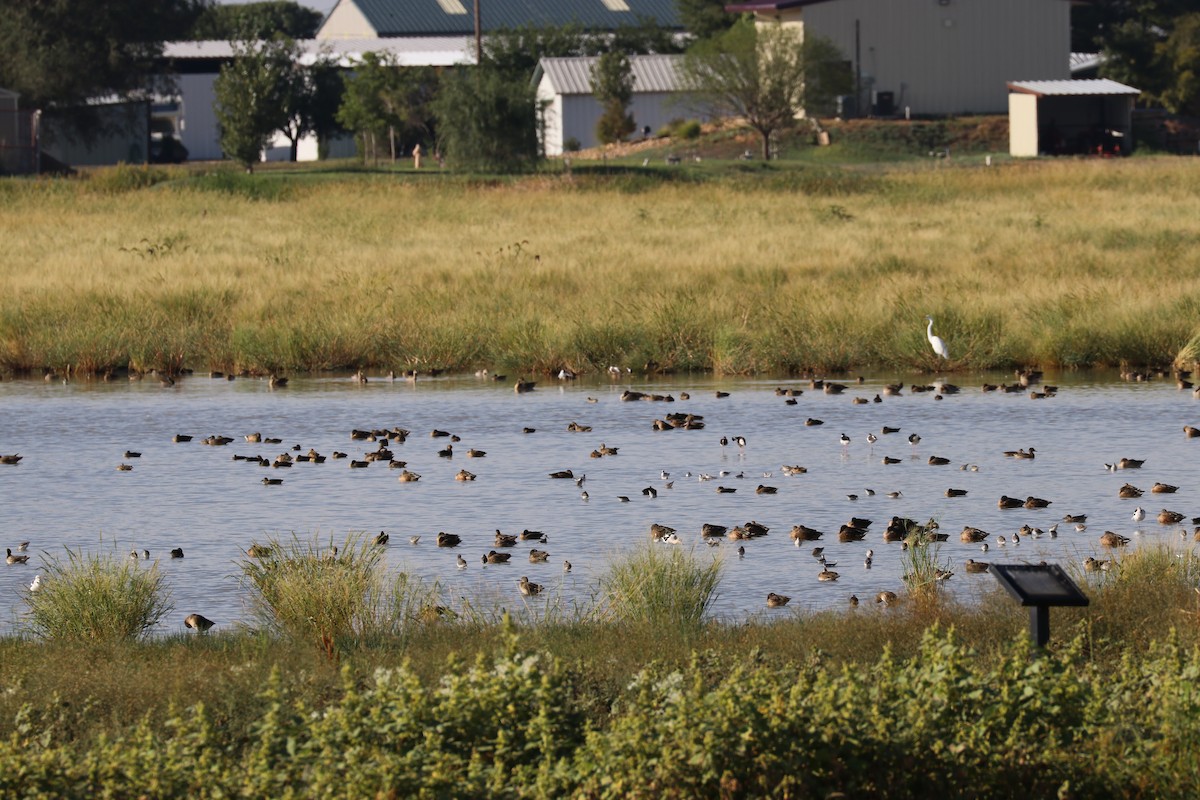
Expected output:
(378, 446)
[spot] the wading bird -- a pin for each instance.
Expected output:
(939, 346)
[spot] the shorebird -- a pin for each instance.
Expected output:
(198, 622)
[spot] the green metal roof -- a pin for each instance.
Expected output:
(432, 18)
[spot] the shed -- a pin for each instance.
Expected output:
(1070, 117)
(564, 86)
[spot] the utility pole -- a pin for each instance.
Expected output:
(478, 37)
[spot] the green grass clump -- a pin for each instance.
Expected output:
(661, 586)
(333, 596)
(97, 598)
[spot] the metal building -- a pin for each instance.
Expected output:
(1085, 117)
(564, 85)
(934, 57)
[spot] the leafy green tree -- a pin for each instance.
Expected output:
(247, 21)
(487, 120)
(251, 95)
(63, 52)
(612, 84)
(311, 96)
(704, 19)
(1149, 44)
(383, 100)
(765, 75)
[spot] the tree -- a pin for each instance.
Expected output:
(311, 96)
(767, 76)
(250, 21)
(612, 84)
(64, 52)
(1149, 44)
(251, 95)
(382, 99)
(487, 121)
(704, 19)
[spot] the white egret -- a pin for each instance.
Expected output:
(939, 346)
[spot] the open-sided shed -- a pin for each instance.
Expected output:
(1070, 117)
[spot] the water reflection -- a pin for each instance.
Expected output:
(68, 492)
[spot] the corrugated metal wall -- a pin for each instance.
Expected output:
(948, 56)
(575, 116)
(200, 135)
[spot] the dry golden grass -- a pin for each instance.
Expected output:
(1068, 263)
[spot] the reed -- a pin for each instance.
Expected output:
(96, 598)
(661, 586)
(724, 266)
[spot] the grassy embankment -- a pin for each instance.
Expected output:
(925, 697)
(734, 266)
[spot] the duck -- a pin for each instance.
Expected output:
(1166, 517)
(382, 538)
(534, 536)
(812, 422)
(1010, 502)
(15, 458)
(473, 453)
(258, 551)
(408, 477)
(887, 598)
(956, 492)
(711, 530)
(277, 381)
(972, 535)
(493, 557)
(890, 460)
(1164, 488)
(766, 489)
(1036, 502)
(1113, 539)
(124, 467)
(177, 438)
(198, 622)
(538, 556)
(463, 475)
(527, 588)
(523, 386)
(938, 461)
(15, 558)
(448, 539)
(1129, 491)
(777, 600)
(1191, 431)
(505, 540)
(1095, 565)
(827, 575)
(803, 533)
(272, 481)
(975, 567)
(177, 552)
(1074, 518)
(563, 474)
(1130, 463)
(886, 430)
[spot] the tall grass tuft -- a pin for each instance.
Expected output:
(657, 585)
(327, 595)
(96, 598)
(923, 573)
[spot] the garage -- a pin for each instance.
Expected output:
(1084, 117)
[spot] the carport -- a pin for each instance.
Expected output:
(1086, 117)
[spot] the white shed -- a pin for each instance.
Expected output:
(1070, 117)
(564, 86)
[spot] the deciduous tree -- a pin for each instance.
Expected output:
(251, 95)
(764, 75)
(612, 85)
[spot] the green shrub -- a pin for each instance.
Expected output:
(687, 130)
(572, 145)
(661, 585)
(124, 178)
(97, 598)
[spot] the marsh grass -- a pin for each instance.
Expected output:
(770, 268)
(661, 586)
(335, 596)
(96, 598)
(921, 563)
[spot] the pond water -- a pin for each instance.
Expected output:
(68, 493)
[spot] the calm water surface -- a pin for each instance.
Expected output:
(67, 492)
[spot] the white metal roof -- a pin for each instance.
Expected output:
(1085, 61)
(1098, 86)
(411, 51)
(573, 75)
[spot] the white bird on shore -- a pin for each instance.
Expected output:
(939, 346)
(1139, 514)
